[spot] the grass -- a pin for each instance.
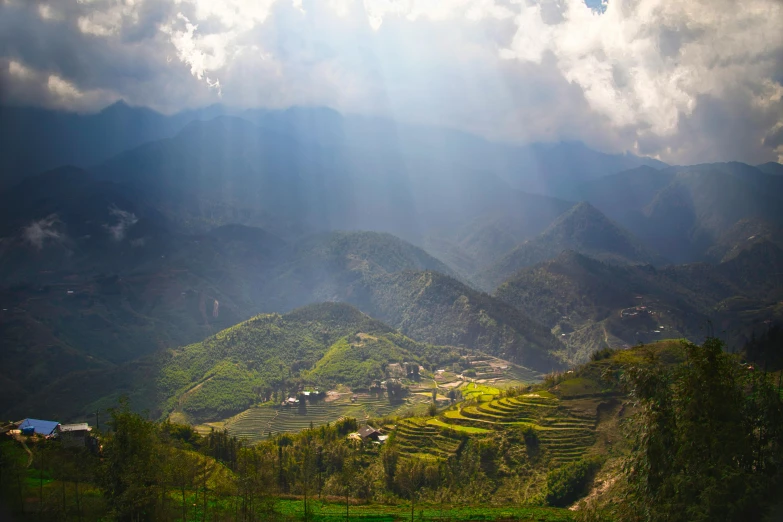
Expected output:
(463, 429)
(326, 511)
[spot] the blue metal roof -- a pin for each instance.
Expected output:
(41, 427)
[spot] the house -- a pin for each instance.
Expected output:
(38, 427)
(74, 435)
(369, 433)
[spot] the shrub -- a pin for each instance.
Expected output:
(599, 355)
(531, 436)
(569, 483)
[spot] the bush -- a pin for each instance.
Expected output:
(604, 353)
(531, 436)
(569, 483)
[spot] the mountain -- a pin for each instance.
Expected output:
(411, 291)
(476, 244)
(681, 212)
(438, 309)
(591, 304)
(65, 220)
(771, 168)
(302, 169)
(556, 168)
(583, 229)
(743, 235)
(35, 140)
(328, 266)
(110, 314)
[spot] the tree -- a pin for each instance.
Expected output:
(709, 434)
(130, 472)
(348, 477)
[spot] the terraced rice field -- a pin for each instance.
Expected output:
(255, 424)
(415, 437)
(564, 434)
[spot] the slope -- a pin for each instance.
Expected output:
(406, 288)
(591, 304)
(222, 374)
(438, 309)
(479, 242)
(682, 211)
(327, 267)
(583, 229)
(741, 236)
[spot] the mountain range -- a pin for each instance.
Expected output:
(171, 229)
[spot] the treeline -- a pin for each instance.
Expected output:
(164, 471)
(707, 438)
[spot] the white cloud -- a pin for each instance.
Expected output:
(125, 220)
(19, 70)
(645, 63)
(46, 12)
(63, 89)
(39, 232)
(106, 17)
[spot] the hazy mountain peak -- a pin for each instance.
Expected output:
(771, 167)
(584, 229)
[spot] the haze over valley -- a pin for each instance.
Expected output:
(474, 254)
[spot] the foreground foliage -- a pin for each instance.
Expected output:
(709, 439)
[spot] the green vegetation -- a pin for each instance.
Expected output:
(271, 356)
(705, 443)
(570, 482)
(709, 434)
(592, 305)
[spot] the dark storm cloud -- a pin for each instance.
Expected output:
(684, 83)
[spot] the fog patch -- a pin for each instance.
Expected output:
(39, 232)
(125, 220)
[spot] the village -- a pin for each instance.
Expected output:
(79, 435)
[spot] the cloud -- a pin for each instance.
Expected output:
(683, 81)
(125, 220)
(42, 231)
(648, 64)
(29, 86)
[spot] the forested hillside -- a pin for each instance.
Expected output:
(591, 304)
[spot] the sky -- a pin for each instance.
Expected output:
(685, 81)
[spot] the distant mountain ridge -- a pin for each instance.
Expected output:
(591, 304)
(583, 229)
(682, 211)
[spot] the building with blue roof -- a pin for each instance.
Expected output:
(38, 426)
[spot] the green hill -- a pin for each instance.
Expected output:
(583, 229)
(320, 345)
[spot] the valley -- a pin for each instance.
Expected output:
(461, 334)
